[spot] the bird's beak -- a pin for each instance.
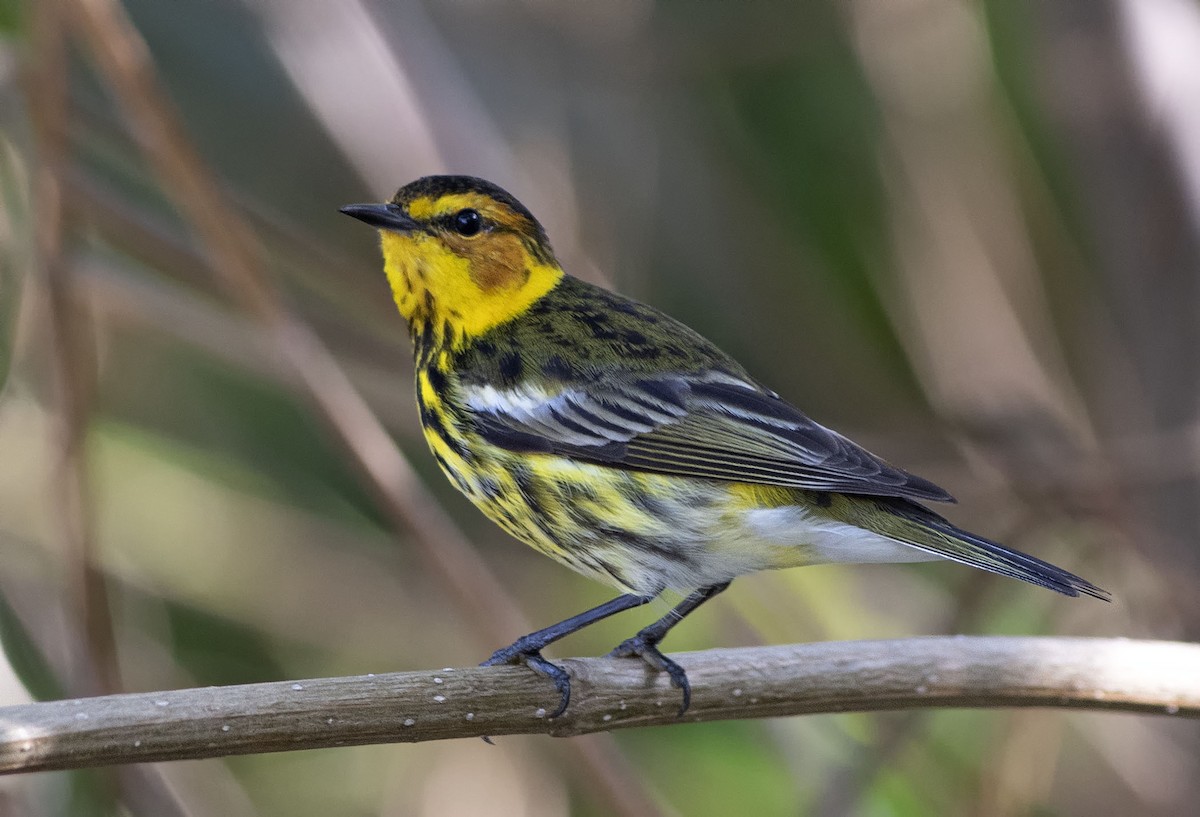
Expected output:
(383, 216)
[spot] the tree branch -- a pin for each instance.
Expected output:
(1083, 673)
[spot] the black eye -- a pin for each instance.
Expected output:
(467, 222)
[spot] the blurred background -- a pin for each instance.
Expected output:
(966, 234)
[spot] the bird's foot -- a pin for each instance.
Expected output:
(642, 647)
(520, 653)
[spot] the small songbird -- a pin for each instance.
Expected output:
(616, 440)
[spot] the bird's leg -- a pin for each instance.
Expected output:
(527, 649)
(644, 645)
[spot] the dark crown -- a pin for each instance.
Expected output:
(436, 186)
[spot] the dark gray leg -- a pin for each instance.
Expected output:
(527, 649)
(644, 645)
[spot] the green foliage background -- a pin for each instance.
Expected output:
(950, 230)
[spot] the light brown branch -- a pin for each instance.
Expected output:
(72, 360)
(1081, 673)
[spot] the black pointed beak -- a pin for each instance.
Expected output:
(383, 216)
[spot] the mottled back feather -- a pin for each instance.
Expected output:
(702, 417)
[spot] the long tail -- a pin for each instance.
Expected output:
(925, 530)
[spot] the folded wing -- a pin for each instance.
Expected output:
(709, 425)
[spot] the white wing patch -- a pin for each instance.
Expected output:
(571, 416)
(518, 402)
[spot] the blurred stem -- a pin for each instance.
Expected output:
(95, 667)
(126, 63)
(92, 651)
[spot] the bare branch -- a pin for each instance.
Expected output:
(857, 676)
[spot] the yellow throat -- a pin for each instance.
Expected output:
(469, 287)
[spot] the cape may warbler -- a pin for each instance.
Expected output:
(619, 442)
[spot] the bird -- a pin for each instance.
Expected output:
(621, 443)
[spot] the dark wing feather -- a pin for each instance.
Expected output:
(707, 425)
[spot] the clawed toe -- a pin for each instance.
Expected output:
(562, 681)
(527, 649)
(534, 660)
(640, 647)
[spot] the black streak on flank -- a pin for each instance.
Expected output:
(489, 486)
(822, 498)
(529, 494)
(666, 551)
(611, 570)
(432, 421)
(437, 380)
(455, 477)
(527, 488)
(648, 504)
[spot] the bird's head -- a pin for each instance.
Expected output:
(461, 254)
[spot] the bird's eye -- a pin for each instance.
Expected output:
(467, 222)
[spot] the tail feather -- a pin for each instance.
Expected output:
(933, 534)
